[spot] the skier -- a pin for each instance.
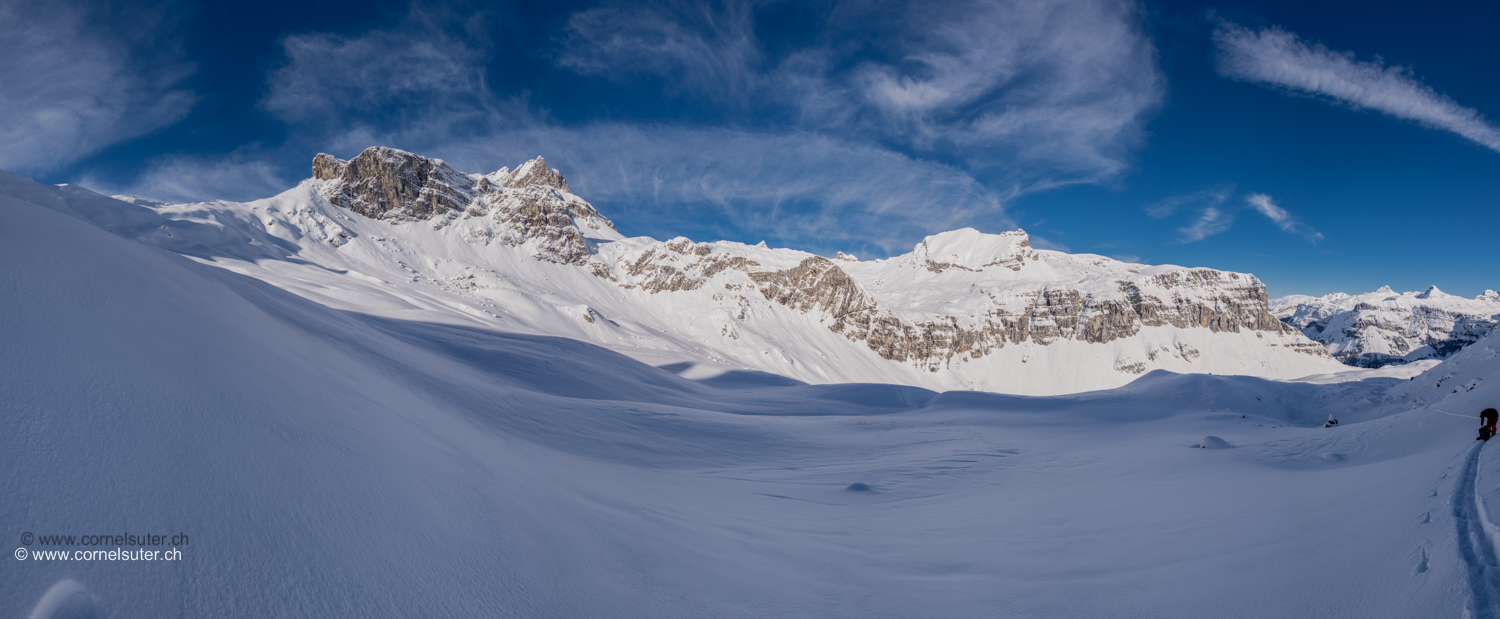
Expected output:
(1487, 420)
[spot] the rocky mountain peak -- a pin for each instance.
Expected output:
(387, 183)
(1432, 292)
(535, 172)
(530, 206)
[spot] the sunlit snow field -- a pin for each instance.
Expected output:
(330, 463)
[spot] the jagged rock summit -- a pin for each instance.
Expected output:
(387, 183)
(393, 232)
(1386, 327)
(531, 205)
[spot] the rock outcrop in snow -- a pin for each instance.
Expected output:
(1385, 327)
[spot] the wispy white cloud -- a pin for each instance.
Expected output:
(1216, 214)
(1037, 93)
(1263, 204)
(237, 176)
(1172, 204)
(72, 87)
(1211, 220)
(702, 48)
(429, 67)
(803, 189)
(1041, 242)
(840, 170)
(1278, 58)
(396, 71)
(805, 185)
(1064, 87)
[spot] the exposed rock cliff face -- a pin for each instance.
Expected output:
(815, 285)
(385, 183)
(958, 296)
(531, 206)
(987, 276)
(1385, 327)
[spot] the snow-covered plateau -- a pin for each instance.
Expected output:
(1386, 327)
(511, 411)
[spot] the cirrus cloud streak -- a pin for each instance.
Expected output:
(1277, 58)
(78, 79)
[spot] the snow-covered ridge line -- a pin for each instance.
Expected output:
(963, 310)
(1386, 327)
(914, 308)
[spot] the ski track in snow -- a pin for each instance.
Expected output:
(1476, 543)
(1435, 410)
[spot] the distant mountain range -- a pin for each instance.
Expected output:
(1386, 327)
(396, 234)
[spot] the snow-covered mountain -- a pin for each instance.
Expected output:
(395, 233)
(398, 461)
(1386, 327)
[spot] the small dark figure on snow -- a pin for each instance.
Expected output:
(1487, 420)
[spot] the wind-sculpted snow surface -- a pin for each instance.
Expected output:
(1385, 327)
(389, 229)
(405, 462)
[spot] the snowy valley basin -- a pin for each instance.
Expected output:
(342, 432)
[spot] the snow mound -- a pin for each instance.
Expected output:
(1214, 442)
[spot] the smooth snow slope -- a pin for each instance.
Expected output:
(328, 463)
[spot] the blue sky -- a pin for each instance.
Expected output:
(1334, 148)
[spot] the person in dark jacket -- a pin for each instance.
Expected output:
(1487, 420)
